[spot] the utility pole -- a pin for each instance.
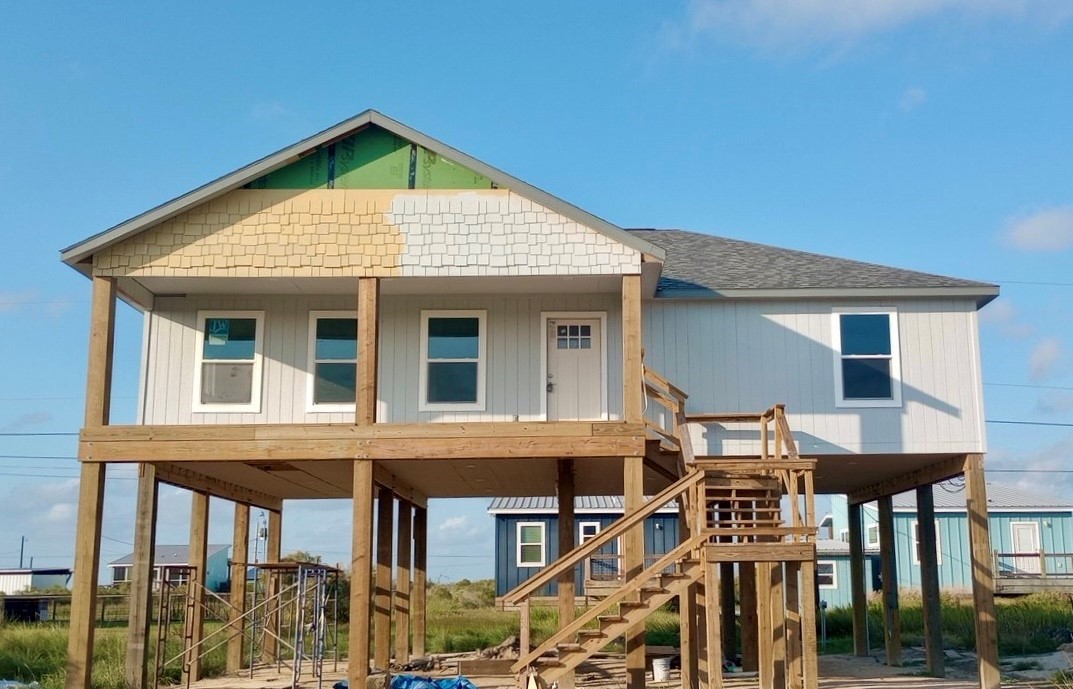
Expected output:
(22, 550)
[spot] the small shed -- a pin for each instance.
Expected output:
(15, 581)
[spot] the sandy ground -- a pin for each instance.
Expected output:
(836, 672)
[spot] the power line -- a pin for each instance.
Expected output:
(1031, 423)
(1026, 385)
(33, 435)
(1029, 471)
(1032, 282)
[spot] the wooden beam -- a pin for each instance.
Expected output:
(273, 552)
(892, 623)
(403, 549)
(420, 587)
(240, 556)
(761, 552)
(385, 515)
(764, 634)
(141, 579)
(747, 590)
(778, 624)
(402, 489)
(184, 477)
(858, 592)
(199, 559)
(688, 630)
(809, 649)
(361, 575)
(983, 583)
(565, 584)
(91, 490)
(935, 660)
(101, 340)
(368, 346)
(933, 473)
(713, 641)
(633, 544)
(795, 669)
(84, 582)
(632, 339)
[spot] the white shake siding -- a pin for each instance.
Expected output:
(513, 376)
(748, 355)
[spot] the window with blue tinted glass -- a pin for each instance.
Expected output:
(228, 362)
(452, 369)
(866, 358)
(335, 353)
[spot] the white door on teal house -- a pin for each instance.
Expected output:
(574, 382)
(1025, 537)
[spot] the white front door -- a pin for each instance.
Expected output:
(574, 384)
(1025, 537)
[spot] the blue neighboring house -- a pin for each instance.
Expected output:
(170, 563)
(1020, 522)
(527, 538)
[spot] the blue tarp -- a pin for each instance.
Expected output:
(415, 682)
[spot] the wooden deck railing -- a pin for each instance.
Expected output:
(1039, 564)
(671, 428)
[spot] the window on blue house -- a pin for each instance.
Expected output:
(531, 544)
(916, 544)
(826, 574)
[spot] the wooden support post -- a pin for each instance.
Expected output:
(728, 606)
(764, 634)
(91, 489)
(565, 584)
(273, 552)
(704, 679)
(141, 579)
(983, 584)
(778, 626)
(747, 618)
(858, 593)
(385, 514)
(360, 575)
(892, 623)
(810, 658)
(240, 556)
(713, 627)
(794, 627)
(929, 583)
(688, 631)
(368, 339)
(404, 542)
(420, 585)
(633, 564)
(632, 339)
(199, 557)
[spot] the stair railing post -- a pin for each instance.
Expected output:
(524, 645)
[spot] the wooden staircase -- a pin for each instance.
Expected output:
(731, 511)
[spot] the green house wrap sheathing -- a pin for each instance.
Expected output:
(373, 158)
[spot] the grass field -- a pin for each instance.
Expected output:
(461, 617)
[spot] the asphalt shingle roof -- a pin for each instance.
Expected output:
(169, 555)
(702, 262)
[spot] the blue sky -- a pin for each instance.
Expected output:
(926, 134)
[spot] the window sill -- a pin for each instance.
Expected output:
(463, 406)
(226, 409)
(868, 404)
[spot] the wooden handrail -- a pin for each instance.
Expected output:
(787, 433)
(671, 387)
(620, 527)
(615, 598)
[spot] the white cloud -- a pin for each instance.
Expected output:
(1004, 316)
(1046, 470)
(1044, 358)
(13, 301)
(794, 24)
(1048, 230)
(26, 420)
(912, 98)
(1054, 404)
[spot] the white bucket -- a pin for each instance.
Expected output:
(661, 669)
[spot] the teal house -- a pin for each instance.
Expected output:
(1031, 539)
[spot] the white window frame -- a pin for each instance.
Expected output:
(914, 535)
(126, 574)
(482, 361)
(311, 363)
(834, 574)
(869, 542)
(543, 544)
(254, 405)
(581, 531)
(895, 356)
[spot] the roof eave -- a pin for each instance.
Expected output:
(77, 253)
(983, 294)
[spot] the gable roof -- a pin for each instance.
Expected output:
(76, 253)
(612, 504)
(950, 497)
(702, 265)
(168, 555)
